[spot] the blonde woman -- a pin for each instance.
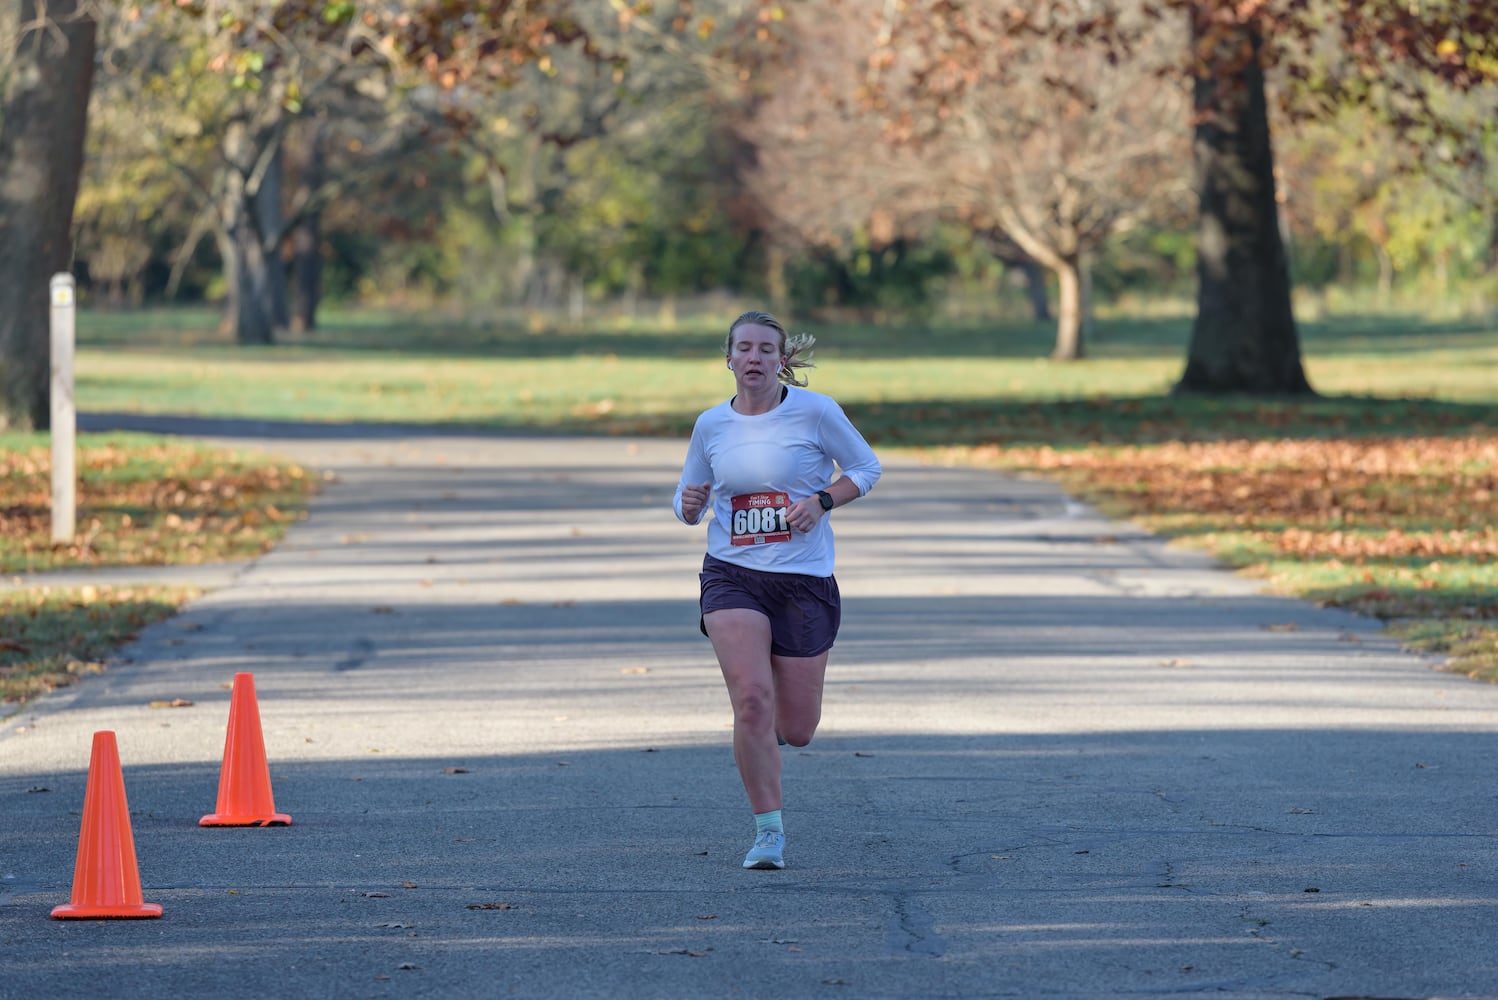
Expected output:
(763, 462)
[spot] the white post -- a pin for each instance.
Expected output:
(64, 413)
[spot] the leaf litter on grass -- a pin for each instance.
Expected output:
(53, 636)
(141, 502)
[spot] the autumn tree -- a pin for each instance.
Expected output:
(253, 116)
(215, 89)
(605, 170)
(1244, 337)
(1397, 61)
(1388, 57)
(1061, 149)
(1352, 183)
(1045, 149)
(817, 172)
(229, 81)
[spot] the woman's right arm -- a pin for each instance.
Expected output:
(694, 489)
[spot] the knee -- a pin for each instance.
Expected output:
(754, 708)
(798, 732)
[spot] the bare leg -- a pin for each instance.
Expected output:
(798, 696)
(741, 639)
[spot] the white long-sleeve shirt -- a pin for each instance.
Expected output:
(758, 465)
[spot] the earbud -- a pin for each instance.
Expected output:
(730, 366)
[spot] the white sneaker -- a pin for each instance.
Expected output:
(768, 851)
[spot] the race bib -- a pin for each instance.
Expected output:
(760, 518)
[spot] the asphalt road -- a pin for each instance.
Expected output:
(1058, 759)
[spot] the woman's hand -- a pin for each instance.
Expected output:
(694, 501)
(803, 515)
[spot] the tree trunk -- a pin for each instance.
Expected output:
(269, 224)
(634, 286)
(1010, 254)
(42, 125)
(306, 243)
(1244, 337)
(1071, 309)
(1492, 257)
(1040, 303)
(776, 288)
(306, 239)
(249, 310)
(1385, 274)
(1073, 291)
(247, 313)
(576, 303)
(253, 316)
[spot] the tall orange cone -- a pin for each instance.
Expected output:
(106, 882)
(244, 796)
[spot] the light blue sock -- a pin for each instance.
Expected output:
(768, 821)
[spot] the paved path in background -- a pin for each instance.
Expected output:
(1058, 760)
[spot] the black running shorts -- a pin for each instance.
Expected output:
(804, 611)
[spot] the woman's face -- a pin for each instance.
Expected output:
(754, 355)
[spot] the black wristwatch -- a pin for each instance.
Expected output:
(825, 498)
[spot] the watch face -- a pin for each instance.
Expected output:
(825, 498)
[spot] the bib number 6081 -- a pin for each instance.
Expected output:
(760, 518)
(760, 521)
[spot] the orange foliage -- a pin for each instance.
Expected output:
(184, 514)
(1420, 497)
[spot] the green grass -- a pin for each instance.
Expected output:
(1469, 648)
(918, 386)
(51, 637)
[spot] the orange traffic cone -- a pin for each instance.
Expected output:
(244, 796)
(106, 882)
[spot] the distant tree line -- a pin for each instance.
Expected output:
(837, 155)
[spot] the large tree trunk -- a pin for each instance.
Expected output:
(248, 306)
(1244, 337)
(42, 126)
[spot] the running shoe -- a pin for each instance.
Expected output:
(768, 851)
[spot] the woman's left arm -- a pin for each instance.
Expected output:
(845, 446)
